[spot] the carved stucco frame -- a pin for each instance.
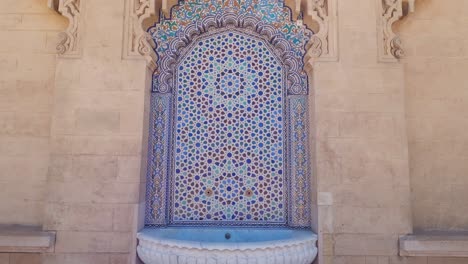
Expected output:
(390, 48)
(69, 44)
(137, 43)
(322, 47)
(324, 43)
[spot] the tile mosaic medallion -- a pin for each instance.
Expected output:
(228, 139)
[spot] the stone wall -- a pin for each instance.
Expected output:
(28, 37)
(361, 146)
(73, 133)
(97, 144)
(436, 40)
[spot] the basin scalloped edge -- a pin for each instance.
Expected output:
(158, 251)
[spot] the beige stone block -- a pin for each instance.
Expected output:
(366, 245)
(60, 168)
(63, 124)
(78, 217)
(97, 73)
(20, 41)
(99, 242)
(32, 124)
(349, 260)
(330, 78)
(367, 125)
(119, 259)
(74, 258)
(13, 169)
(24, 6)
(372, 220)
(370, 171)
(358, 102)
(101, 145)
(365, 195)
(41, 22)
(131, 121)
(96, 122)
(9, 21)
(34, 96)
(130, 169)
(61, 145)
(360, 49)
(24, 258)
(8, 65)
(7, 123)
(93, 192)
(368, 149)
(4, 258)
(408, 260)
(377, 260)
(26, 191)
(428, 107)
(372, 260)
(31, 212)
(324, 198)
(447, 260)
(434, 245)
(96, 145)
(328, 171)
(97, 168)
(327, 124)
(70, 98)
(328, 244)
(123, 217)
(326, 220)
(23, 146)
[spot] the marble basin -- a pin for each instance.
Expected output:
(226, 245)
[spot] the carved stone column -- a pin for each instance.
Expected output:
(390, 46)
(137, 42)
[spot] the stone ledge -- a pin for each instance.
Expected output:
(25, 239)
(434, 245)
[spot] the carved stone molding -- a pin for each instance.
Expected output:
(69, 44)
(390, 46)
(323, 46)
(137, 42)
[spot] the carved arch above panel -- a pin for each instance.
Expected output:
(69, 44)
(281, 47)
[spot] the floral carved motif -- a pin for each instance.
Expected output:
(69, 40)
(323, 44)
(390, 46)
(137, 42)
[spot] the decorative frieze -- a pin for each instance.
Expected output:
(69, 44)
(390, 46)
(323, 44)
(137, 42)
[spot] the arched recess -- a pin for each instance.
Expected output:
(191, 23)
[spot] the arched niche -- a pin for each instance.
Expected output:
(190, 180)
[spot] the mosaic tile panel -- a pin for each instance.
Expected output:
(228, 142)
(300, 211)
(158, 159)
(229, 150)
